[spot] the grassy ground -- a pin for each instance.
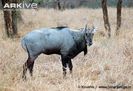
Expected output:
(108, 62)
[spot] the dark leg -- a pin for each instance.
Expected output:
(70, 65)
(28, 65)
(24, 70)
(64, 64)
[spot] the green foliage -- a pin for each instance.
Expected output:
(38, 1)
(111, 3)
(87, 3)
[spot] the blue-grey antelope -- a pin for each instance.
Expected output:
(59, 40)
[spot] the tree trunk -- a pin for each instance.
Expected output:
(105, 17)
(8, 23)
(58, 5)
(14, 22)
(10, 19)
(119, 7)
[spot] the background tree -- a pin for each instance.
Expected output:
(58, 4)
(119, 7)
(10, 19)
(105, 17)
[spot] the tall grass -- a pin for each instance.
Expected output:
(108, 62)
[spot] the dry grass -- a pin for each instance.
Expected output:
(108, 62)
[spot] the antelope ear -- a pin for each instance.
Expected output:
(85, 29)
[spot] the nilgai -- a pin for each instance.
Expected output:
(59, 40)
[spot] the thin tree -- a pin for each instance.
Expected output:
(7, 19)
(119, 8)
(14, 22)
(10, 20)
(58, 4)
(105, 17)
